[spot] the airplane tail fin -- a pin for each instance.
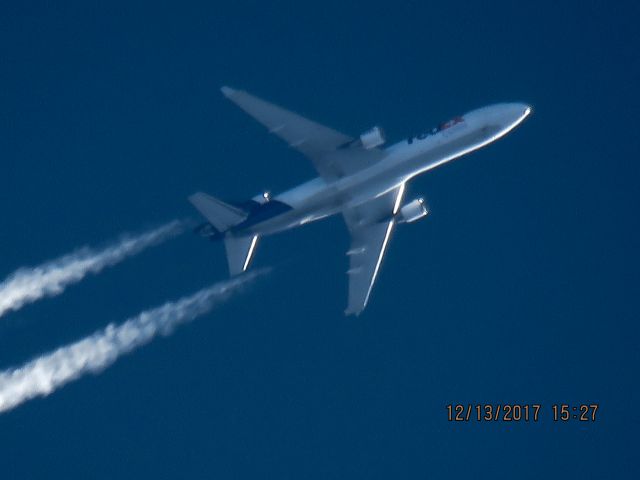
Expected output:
(221, 215)
(240, 251)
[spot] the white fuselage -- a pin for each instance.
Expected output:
(402, 161)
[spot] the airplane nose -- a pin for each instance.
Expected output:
(508, 115)
(502, 115)
(519, 109)
(516, 112)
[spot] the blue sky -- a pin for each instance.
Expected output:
(520, 287)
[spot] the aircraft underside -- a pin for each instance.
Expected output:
(363, 183)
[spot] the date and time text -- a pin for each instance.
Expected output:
(532, 412)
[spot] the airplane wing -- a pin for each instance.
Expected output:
(370, 225)
(323, 145)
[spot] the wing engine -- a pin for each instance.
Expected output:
(412, 211)
(372, 138)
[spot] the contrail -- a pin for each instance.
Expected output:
(47, 373)
(28, 284)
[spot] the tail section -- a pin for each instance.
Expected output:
(240, 251)
(221, 215)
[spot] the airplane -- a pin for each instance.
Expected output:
(357, 178)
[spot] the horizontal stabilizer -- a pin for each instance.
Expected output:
(221, 215)
(239, 252)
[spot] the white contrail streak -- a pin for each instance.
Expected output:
(47, 373)
(28, 284)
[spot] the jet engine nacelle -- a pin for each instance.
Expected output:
(372, 138)
(413, 211)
